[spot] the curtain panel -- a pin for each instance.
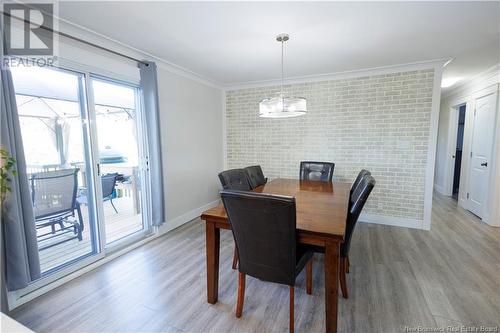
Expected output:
(149, 85)
(21, 264)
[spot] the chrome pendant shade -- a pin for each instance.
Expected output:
(282, 106)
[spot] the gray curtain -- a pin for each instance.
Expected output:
(149, 86)
(20, 248)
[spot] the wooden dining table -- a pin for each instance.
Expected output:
(321, 218)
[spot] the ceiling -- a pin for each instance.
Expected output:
(232, 43)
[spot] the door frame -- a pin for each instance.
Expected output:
(492, 90)
(451, 147)
(493, 217)
(102, 253)
(16, 297)
(470, 101)
(452, 143)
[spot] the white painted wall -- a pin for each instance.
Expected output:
(191, 131)
(442, 148)
(495, 191)
(191, 113)
(446, 141)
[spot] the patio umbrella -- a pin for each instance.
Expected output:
(50, 97)
(53, 114)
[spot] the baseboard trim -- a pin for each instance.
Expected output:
(439, 189)
(392, 221)
(185, 218)
(486, 219)
(462, 203)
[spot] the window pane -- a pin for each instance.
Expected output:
(117, 125)
(51, 120)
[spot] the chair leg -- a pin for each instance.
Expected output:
(348, 264)
(241, 294)
(235, 258)
(112, 204)
(292, 309)
(80, 229)
(309, 272)
(80, 218)
(343, 282)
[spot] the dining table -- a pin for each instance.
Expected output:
(321, 212)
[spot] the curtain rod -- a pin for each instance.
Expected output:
(63, 34)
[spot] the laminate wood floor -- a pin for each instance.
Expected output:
(118, 225)
(400, 278)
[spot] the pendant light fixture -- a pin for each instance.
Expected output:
(282, 106)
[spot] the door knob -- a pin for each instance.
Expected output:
(485, 164)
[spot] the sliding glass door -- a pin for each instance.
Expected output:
(118, 124)
(84, 148)
(53, 118)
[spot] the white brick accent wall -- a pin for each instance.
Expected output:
(380, 123)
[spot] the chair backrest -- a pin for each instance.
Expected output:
(357, 201)
(53, 193)
(317, 171)
(235, 179)
(108, 183)
(360, 176)
(255, 176)
(264, 230)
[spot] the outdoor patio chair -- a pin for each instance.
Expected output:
(108, 186)
(53, 195)
(108, 183)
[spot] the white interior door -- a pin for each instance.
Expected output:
(481, 150)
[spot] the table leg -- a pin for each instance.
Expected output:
(213, 249)
(332, 258)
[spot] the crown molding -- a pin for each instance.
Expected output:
(427, 64)
(135, 52)
(474, 80)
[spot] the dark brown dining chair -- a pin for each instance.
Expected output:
(235, 179)
(265, 232)
(255, 176)
(357, 201)
(316, 171)
(360, 176)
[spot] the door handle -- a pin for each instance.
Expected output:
(485, 164)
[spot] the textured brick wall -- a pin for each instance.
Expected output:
(380, 122)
